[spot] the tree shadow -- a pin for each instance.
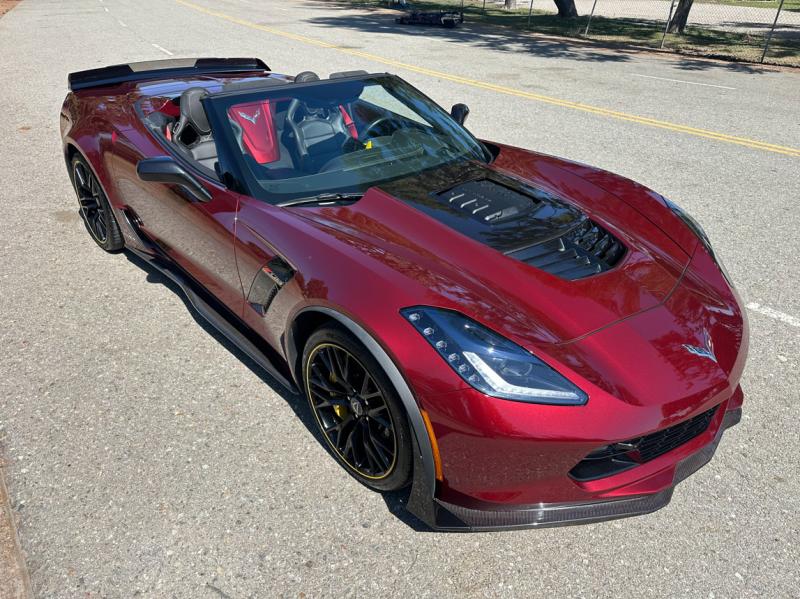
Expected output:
(688, 64)
(376, 21)
(396, 501)
(548, 37)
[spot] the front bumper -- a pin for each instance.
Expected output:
(444, 516)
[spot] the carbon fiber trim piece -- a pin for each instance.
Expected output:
(457, 518)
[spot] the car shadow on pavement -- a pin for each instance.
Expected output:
(395, 501)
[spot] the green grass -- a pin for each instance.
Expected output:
(793, 5)
(700, 41)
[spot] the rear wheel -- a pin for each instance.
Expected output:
(94, 207)
(357, 409)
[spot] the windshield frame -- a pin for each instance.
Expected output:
(232, 161)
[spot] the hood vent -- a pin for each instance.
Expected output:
(586, 250)
(487, 202)
(524, 222)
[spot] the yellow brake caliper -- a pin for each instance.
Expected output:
(340, 411)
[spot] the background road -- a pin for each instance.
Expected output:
(145, 457)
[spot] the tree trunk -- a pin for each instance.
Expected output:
(510, 5)
(678, 23)
(566, 8)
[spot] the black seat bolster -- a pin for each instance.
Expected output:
(205, 152)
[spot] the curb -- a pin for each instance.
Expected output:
(14, 578)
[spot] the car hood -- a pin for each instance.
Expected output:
(492, 270)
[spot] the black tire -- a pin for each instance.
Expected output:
(94, 208)
(348, 409)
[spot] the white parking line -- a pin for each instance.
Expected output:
(121, 23)
(682, 81)
(164, 50)
(773, 313)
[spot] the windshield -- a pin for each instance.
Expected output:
(299, 140)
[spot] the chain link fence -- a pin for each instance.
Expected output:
(751, 30)
(746, 30)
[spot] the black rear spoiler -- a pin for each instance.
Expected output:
(154, 69)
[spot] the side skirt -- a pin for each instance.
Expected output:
(218, 316)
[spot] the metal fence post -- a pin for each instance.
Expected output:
(589, 22)
(666, 27)
(530, 10)
(771, 31)
(484, 5)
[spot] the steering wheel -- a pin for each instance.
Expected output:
(300, 145)
(376, 124)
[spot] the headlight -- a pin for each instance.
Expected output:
(489, 362)
(700, 233)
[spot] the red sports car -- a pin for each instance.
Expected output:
(522, 340)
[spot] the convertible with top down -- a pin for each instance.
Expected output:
(517, 339)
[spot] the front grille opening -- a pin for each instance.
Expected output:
(618, 457)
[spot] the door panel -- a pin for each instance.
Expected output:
(198, 236)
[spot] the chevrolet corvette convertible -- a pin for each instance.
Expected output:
(516, 339)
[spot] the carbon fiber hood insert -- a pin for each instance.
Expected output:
(519, 220)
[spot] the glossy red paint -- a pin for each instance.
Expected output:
(619, 335)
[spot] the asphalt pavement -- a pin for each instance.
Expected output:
(145, 457)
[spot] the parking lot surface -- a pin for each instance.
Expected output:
(145, 457)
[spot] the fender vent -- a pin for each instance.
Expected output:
(585, 250)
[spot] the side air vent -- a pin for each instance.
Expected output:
(585, 250)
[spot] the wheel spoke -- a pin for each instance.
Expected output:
(80, 176)
(376, 417)
(88, 202)
(341, 364)
(365, 384)
(373, 450)
(326, 361)
(329, 402)
(321, 384)
(101, 225)
(345, 423)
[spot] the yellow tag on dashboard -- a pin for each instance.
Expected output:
(368, 145)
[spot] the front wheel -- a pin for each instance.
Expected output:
(357, 409)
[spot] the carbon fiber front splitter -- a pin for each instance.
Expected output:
(444, 516)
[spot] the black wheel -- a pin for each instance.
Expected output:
(94, 207)
(357, 409)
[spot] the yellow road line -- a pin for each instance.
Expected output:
(623, 116)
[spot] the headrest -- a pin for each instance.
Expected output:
(340, 74)
(306, 76)
(254, 84)
(192, 110)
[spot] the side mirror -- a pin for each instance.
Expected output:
(459, 112)
(164, 169)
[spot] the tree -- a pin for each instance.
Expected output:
(678, 23)
(566, 8)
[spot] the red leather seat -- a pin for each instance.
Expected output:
(259, 136)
